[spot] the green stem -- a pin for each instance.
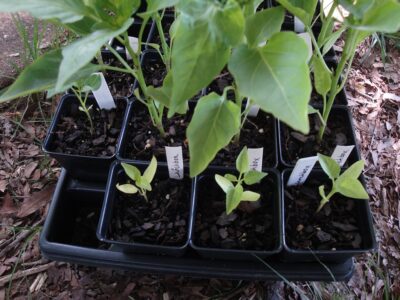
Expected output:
(164, 45)
(324, 28)
(325, 201)
(84, 108)
(116, 69)
(124, 63)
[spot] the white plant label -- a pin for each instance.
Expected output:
(301, 170)
(341, 154)
(298, 25)
(134, 43)
(103, 95)
(254, 109)
(175, 162)
(307, 38)
(255, 158)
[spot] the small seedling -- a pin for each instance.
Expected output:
(346, 183)
(232, 185)
(142, 182)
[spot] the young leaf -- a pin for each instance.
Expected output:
(214, 123)
(242, 161)
(253, 177)
(197, 57)
(127, 188)
(81, 52)
(322, 76)
(149, 173)
(231, 178)
(224, 183)
(329, 165)
(233, 198)
(132, 172)
(143, 183)
(354, 171)
(250, 196)
(276, 77)
(351, 188)
(303, 9)
(264, 24)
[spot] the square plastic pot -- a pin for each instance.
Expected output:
(239, 254)
(89, 168)
(111, 197)
(350, 135)
(365, 225)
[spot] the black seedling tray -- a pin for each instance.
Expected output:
(57, 243)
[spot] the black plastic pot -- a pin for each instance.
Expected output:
(79, 166)
(57, 242)
(117, 175)
(207, 182)
(350, 134)
(363, 217)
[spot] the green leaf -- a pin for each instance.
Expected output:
(144, 184)
(250, 196)
(383, 16)
(322, 76)
(197, 57)
(329, 41)
(127, 188)
(276, 77)
(67, 11)
(253, 177)
(224, 183)
(354, 171)
(151, 170)
(233, 198)
(92, 83)
(329, 165)
(351, 188)
(242, 161)
(264, 24)
(303, 9)
(156, 5)
(214, 123)
(81, 52)
(250, 6)
(131, 171)
(312, 110)
(357, 9)
(231, 177)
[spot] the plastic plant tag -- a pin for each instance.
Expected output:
(134, 43)
(175, 162)
(298, 25)
(255, 158)
(307, 38)
(301, 170)
(254, 109)
(103, 95)
(341, 154)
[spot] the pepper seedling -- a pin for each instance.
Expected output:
(142, 182)
(346, 183)
(233, 186)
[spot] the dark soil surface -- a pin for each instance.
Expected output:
(163, 220)
(72, 134)
(249, 227)
(256, 133)
(334, 227)
(296, 145)
(120, 84)
(154, 70)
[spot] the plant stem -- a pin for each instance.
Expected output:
(325, 201)
(164, 45)
(84, 108)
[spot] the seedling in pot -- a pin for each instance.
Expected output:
(142, 183)
(233, 186)
(346, 183)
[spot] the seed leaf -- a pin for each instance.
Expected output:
(132, 172)
(250, 196)
(329, 165)
(242, 161)
(224, 183)
(253, 177)
(127, 188)
(149, 173)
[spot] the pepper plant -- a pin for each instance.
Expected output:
(346, 183)
(233, 186)
(364, 18)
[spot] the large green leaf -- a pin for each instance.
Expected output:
(383, 16)
(303, 9)
(262, 25)
(82, 51)
(215, 121)
(197, 57)
(67, 11)
(276, 77)
(358, 8)
(322, 76)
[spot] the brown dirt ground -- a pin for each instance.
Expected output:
(27, 179)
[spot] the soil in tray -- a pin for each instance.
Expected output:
(335, 227)
(120, 84)
(249, 227)
(257, 132)
(72, 134)
(296, 145)
(163, 220)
